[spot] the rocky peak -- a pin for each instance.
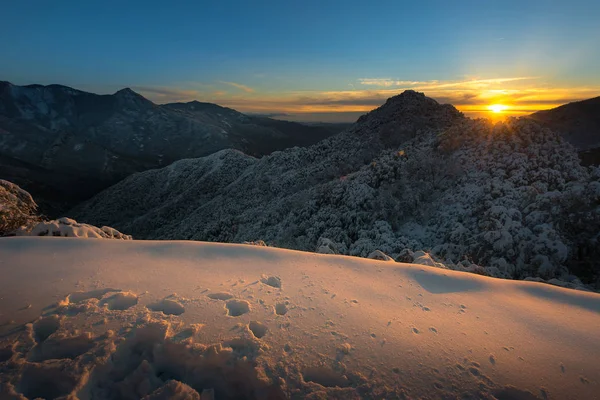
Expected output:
(129, 98)
(126, 92)
(409, 105)
(406, 115)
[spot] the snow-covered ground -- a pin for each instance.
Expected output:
(127, 319)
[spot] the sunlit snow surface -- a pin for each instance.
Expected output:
(127, 319)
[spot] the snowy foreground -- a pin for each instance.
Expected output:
(127, 319)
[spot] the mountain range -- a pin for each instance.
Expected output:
(509, 199)
(64, 145)
(410, 175)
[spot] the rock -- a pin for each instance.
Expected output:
(379, 255)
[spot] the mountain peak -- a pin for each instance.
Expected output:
(127, 92)
(410, 99)
(4, 86)
(129, 97)
(410, 111)
(409, 93)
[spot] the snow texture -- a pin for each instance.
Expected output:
(67, 227)
(109, 319)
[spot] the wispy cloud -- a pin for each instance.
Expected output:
(244, 88)
(435, 84)
(471, 99)
(521, 95)
(391, 82)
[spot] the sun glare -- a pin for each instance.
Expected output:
(497, 108)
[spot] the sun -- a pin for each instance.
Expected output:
(497, 108)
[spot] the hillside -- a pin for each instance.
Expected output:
(411, 175)
(64, 145)
(579, 124)
(109, 319)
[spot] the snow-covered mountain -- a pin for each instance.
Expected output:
(411, 175)
(579, 124)
(64, 145)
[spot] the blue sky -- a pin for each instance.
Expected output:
(310, 59)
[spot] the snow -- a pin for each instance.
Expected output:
(68, 227)
(379, 255)
(103, 319)
(423, 258)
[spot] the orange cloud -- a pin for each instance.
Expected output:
(390, 82)
(435, 84)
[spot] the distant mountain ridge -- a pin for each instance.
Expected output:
(61, 143)
(578, 123)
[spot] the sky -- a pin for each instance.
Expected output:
(311, 60)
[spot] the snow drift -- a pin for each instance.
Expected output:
(95, 319)
(67, 227)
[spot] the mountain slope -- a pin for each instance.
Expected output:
(280, 180)
(411, 175)
(65, 144)
(578, 123)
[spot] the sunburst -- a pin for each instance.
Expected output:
(497, 108)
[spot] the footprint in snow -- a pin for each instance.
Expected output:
(60, 348)
(220, 296)
(44, 327)
(120, 301)
(235, 308)
(258, 329)
(168, 306)
(281, 309)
